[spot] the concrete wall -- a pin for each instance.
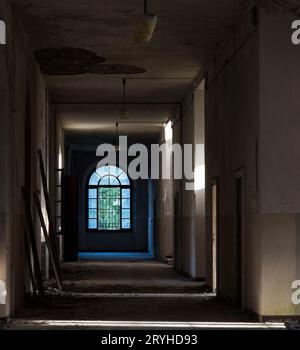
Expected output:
(279, 162)
(199, 178)
(189, 232)
(5, 165)
(23, 106)
(252, 123)
(177, 190)
(82, 161)
(188, 198)
(232, 128)
(166, 243)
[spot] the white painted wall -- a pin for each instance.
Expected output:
(191, 224)
(5, 169)
(23, 94)
(189, 236)
(231, 124)
(165, 211)
(252, 122)
(279, 145)
(199, 138)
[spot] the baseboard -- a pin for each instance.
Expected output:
(282, 318)
(189, 276)
(252, 315)
(270, 318)
(3, 321)
(198, 279)
(114, 251)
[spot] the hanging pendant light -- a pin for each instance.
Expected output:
(116, 138)
(146, 26)
(124, 114)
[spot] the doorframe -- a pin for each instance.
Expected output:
(215, 182)
(177, 233)
(239, 175)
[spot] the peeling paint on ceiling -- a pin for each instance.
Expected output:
(187, 33)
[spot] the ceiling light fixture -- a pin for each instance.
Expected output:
(116, 139)
(146, 26)
(124, 114)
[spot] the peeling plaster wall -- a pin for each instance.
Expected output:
(189, 231)
(199, 138)
(232, 106)
(279, 163)
(165, 213)
(177, 189)
(188, 198)
(5, 164)
(23, 99)
(252, 123)
(193, 217)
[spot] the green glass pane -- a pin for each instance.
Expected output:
(109, 208)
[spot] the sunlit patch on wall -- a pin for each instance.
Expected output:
(3, 292)
(2, 33)
(199, 177)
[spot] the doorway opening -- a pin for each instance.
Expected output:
(239, 241)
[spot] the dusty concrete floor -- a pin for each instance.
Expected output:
(128, 291)
(125, 277)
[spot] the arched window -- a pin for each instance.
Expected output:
(109, 200)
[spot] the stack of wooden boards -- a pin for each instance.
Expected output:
(49, 234)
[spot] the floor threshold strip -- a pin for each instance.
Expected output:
(98, 324)
(141, 295)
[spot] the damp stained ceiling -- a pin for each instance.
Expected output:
(188, 32)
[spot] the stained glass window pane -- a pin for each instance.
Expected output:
(113, 170)
(124, 179)
(94, 179)
(126, 203)
(125, 193)
(103, 171)
(93, 213)
(113, 181)
(125, 213)
(93, 193)
(92, 223)
(109, 208)
(104, 181)
(93, 203)
(125, 223)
